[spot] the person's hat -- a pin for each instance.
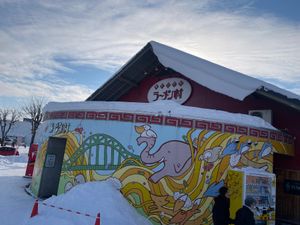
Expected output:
(249, 201)
(223, 190)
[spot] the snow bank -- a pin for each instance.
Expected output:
(15, 161)
(90, 198)
(166, 108)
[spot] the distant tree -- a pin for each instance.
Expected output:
(33, 109)
(8, 117)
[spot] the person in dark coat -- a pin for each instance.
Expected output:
(221, 208)
(245, 216)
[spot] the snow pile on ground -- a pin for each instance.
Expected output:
(89, 198)
(14, 161)
(4, 162)
(15, 204)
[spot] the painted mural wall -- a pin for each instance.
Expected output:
(170, 168)
(205, 98)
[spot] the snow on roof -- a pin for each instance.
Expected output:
(165, 108)
(213, 76)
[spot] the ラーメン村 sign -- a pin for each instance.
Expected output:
(175, 89)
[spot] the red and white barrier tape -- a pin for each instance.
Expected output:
(68, 210)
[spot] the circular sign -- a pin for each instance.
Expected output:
(175, 89)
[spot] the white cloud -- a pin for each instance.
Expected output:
(52, 91)
(106, 34)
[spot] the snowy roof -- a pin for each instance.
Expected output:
(213, 76)
(164, 108)
(205, 73)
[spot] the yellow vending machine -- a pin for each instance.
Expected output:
(258, 184)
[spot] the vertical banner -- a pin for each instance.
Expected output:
(31, 160)
(235, 184)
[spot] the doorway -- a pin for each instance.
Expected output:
(52, 167)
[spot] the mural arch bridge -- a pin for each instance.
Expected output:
(98, 152)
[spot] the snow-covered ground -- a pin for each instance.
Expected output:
(90, 198)
(15, 203)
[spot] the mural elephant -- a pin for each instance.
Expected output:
(175, 155)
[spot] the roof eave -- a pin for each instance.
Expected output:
(293, 103)
(119, 76)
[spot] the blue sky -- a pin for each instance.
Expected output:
(64, 50)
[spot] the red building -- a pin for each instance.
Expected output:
(148, 74)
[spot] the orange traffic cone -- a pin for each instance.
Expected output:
(35, 209)
(97, 222)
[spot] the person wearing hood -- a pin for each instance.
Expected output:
(245, 215)
(221, 215)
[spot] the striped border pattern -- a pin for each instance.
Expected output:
(172, 121)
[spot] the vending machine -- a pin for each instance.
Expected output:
(255, 183)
